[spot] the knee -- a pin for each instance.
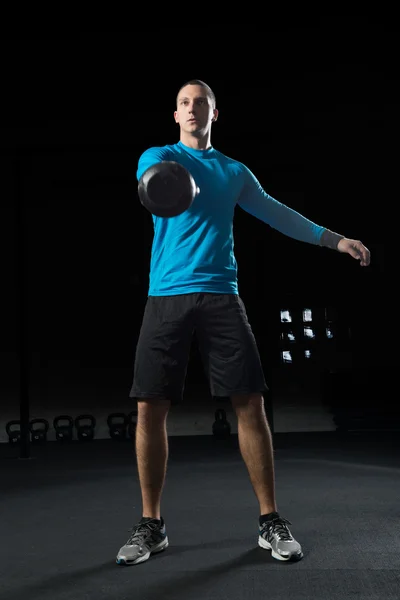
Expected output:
(248, 405)
(153, 411)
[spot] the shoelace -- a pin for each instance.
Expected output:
(278, 526)
(140, 533)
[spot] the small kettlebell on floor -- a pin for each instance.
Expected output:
(221, 428)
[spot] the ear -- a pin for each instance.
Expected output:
(176, 117)
(215, 117)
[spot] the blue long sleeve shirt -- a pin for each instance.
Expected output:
(194, 251)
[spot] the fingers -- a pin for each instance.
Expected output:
(363, 254)
(356, 249)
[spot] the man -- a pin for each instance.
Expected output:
(193, 286)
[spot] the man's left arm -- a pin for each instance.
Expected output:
(356, 249)
(255, 200)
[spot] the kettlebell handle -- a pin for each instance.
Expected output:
(36, 422)
(85, 418)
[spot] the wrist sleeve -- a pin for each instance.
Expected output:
(330, 239)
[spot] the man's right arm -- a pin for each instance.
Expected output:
(150, 157)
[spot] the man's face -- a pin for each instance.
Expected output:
(194, 111)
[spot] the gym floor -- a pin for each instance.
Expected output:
(67, 509)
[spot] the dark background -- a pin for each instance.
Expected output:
(311, 110)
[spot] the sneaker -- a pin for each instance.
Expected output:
(275, 535)
(147, 537)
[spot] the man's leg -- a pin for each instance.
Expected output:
(161, 360)
(255, 442)
(233, 364)
(152, 453)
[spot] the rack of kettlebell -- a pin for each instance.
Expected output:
(82, 428)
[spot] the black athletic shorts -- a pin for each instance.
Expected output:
(226, 342)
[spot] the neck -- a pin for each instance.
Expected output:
(197, 143)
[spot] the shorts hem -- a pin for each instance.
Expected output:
(252, 390)
(140, 396)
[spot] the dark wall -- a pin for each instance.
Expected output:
(317, 134)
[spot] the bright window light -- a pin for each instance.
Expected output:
(286, 317)
(288, 336)
(309, 333)
(329, 333)
(286, 356)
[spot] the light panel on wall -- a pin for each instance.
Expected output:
(286, 356)
(309, 333)
(286, 317)
(288, 336)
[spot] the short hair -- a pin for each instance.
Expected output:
(210, 93)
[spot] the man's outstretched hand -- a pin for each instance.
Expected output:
(356, 249)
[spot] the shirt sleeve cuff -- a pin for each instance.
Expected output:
(330, 239)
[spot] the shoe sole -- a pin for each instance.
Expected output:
(267, 546)
(155, 550)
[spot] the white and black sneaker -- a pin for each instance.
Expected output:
(147, 537)
(274, 535)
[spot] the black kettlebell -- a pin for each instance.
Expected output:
(85, 430)
(167, 189)
(117, 423)
(64, 432)
(221, 426)
(13, 429)
(132, 423)
(38, 429)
